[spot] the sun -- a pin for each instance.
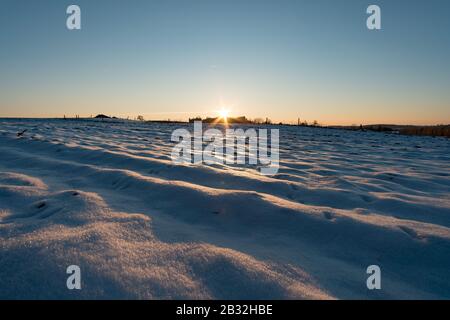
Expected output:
(224, 113)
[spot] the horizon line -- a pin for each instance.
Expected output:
(290, 122)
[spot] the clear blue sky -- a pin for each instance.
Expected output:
(282, 59)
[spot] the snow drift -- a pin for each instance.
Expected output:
(105, 196)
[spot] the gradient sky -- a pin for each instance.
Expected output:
(280, 59)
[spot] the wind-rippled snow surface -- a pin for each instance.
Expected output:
(106, 196)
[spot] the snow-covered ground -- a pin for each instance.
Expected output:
(105, 196)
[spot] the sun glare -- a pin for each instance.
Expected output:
(224, 113)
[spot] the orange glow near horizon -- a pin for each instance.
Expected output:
(224, 113)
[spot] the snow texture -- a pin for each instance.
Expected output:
(105, 195)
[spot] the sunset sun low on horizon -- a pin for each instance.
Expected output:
(224, 113)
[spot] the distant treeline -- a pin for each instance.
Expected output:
(435, 131)
(232, 120)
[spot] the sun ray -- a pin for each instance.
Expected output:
(223, 115)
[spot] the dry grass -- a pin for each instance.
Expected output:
(436, 131)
